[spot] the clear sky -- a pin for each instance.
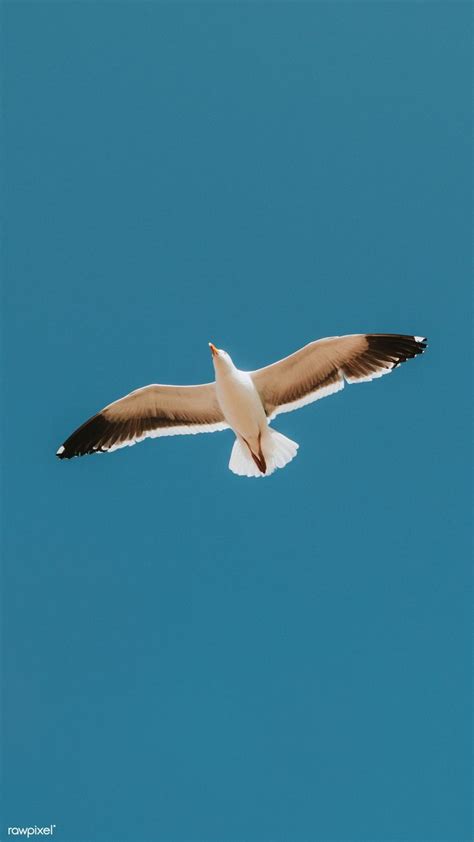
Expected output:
(189, 655)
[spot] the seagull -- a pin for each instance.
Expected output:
(245, 401)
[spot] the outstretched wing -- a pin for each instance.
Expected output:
(147, 413)
(320, 368)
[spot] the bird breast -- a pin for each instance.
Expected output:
(240, 403)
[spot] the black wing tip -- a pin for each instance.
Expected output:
(403, 346)
(100, 434)
(422, 342)
(89, 438)
(70, 453)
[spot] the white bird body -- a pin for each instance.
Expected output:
(258, 450)
(239, 400)
(245, 401)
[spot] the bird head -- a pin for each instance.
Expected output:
(220, 358)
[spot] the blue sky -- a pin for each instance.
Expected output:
(188, 655)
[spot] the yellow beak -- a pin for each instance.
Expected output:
(213, 349)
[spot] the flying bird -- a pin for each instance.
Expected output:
(245, 401)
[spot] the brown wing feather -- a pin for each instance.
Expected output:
(147, 413)
(320, 368)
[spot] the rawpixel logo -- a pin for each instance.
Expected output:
(32, 831)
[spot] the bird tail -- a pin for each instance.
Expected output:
(277, 451)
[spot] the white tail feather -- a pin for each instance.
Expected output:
(277, 449)
(241, 462)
